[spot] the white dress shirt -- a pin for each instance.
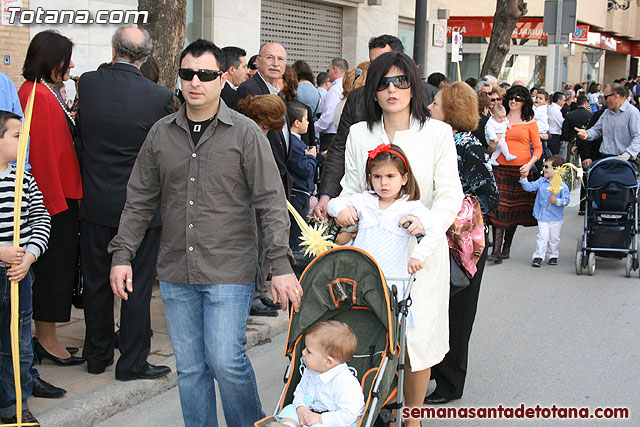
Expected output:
(555, 119)
(336, 393)
(334, 95)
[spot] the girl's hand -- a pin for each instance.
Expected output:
(11, 255)
(18, 272)
(311, 418)
(415, 265)
(416, 226)
(344, 237)
(347, 217)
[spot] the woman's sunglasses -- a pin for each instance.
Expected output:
(400, 82)
(203, 75)
(253, 66)
(516, 98)
(495, 99)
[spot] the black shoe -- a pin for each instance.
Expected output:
(98, 370)
(69, 361)
(553, 261)
(269, 303)
(71, 350)
(537, 262)
(259, 309)
(41, 388)
(153, 371)
(434, 399)
(27, 417)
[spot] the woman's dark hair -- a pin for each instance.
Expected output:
(593, 87)
(527, 103)
(533, 89)
(377, 70)
(150, 69)
(290, 85)
(411, 187)
(49, 53)
(303, 70)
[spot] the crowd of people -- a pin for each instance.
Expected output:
(124, 186)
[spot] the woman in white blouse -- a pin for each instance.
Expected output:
(397, 114)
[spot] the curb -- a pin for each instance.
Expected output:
(116, 396)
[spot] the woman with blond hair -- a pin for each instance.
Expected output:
(457, 105)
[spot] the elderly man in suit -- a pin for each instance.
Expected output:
(117, 107)
(271, 61)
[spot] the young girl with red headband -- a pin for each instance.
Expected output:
(392, 193)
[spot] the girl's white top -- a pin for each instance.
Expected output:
(431, 151)
(541, 117)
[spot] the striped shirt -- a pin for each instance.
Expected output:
(35, 222)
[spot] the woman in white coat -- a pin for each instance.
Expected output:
(397, 114)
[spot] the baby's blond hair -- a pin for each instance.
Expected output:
(336, 338)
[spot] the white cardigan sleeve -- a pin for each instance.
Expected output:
(352, 180)
(433, 236)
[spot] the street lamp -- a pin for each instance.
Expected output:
(613, 5)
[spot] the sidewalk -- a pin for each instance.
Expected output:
(92, 398)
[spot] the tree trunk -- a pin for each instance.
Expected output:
(508, 12)
(166, 24)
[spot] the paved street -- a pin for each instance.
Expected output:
(542, 336)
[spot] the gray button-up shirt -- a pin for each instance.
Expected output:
(210, 195)
(620, 131)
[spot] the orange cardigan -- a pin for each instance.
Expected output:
(519, 139)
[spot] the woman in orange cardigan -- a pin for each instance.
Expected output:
(55, 166)
(516, 205)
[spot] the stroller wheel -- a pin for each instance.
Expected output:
(591, 265)
(579, 263)
(628, 265)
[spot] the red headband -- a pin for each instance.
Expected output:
(386, 148)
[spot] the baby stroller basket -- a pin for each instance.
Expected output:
(346, 284)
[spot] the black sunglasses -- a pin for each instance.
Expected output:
(516, 98)
(606, 96)
(203, 75)
(253, 66)
(400, 82)
(495, 99)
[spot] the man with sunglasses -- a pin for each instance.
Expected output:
(212, 171)
(118, 107)
(619, 125)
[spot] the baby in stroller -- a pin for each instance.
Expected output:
(328, 393)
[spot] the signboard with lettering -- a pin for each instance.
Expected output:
(480, 26)
(456, 40)
(6, 4)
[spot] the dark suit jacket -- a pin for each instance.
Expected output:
(353, 112)
(575, 119)
(117, 107)
(256, 86)
(228, 95)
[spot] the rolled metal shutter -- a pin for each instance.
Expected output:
(308, 30)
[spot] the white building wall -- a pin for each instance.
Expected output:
(237, 23)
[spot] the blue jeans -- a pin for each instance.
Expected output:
(7, 386)
(207, 326)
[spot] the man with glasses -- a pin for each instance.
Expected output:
(619, 125)
(325, 125)
(211, 170)
(271, 61)
(118, 107)
(237, 73)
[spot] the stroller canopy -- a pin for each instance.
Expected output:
(612, 170)
(336, 281)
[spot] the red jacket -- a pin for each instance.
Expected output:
(53, 158)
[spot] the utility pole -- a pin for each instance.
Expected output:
(557, 80)
(420, 36)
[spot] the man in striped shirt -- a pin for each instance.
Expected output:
(15, 263)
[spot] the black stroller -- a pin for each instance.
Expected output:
(611, 215)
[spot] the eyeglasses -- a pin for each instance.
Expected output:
(516, 98)
(495, 99)
(271, 58)
(253, 66)
(548, 167)
(400, 82)
(203, 75)
(606, 96)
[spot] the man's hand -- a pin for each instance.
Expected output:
(415, 265)
(320, 211)
(582, 134)
(19, 271)
(347, 217)
(11, 255)
(286, 288)
(121, 276)
(586, 163)
(415, 228)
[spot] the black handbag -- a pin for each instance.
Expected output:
(458, 279)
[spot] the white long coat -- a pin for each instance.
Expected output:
(432, 155)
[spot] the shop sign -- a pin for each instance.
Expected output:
(6, 15)
(580, 34)
(481, 26)
(635, 49)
